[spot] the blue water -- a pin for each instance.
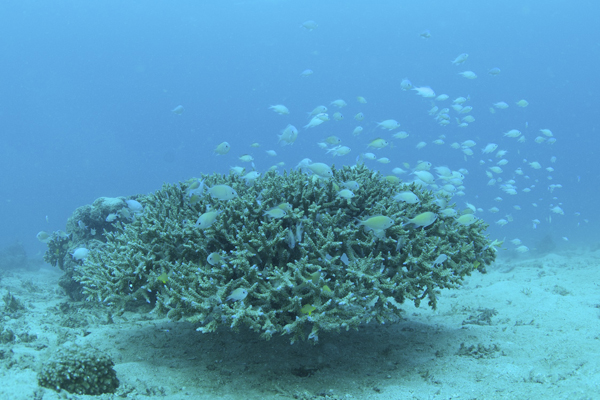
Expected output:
(87, 90)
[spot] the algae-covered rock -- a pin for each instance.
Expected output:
(313, 268)
(85, 230)
(90, 221)
(79, 371)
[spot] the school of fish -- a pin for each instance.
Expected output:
(517, 162)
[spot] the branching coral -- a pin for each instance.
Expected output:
(315, 258)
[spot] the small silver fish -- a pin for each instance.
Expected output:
(440, 259)
(238, 294)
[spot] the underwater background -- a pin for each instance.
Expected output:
(88, 88)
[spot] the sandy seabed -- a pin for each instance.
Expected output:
(528, 329)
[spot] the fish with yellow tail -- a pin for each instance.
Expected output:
(207, 219)
(222, 192)
(308, 309)
(275, 213)
(376, 222)
(320, 169)
(378, 144)
(422, 220)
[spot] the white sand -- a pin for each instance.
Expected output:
(544, 342)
